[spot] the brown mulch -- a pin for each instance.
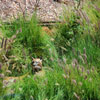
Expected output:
(47, 10)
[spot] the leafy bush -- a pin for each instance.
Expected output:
(66, 34)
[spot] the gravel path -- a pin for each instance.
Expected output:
(47, 10)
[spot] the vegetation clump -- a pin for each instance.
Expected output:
(70, 57)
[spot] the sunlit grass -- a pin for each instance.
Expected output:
(70, 62)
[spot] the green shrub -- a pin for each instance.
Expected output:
(66, 34)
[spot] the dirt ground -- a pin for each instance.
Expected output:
(47, 10)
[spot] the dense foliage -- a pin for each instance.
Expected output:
(71, 57)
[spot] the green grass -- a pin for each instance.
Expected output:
(31, 41)
(58, 85)
(72, 60)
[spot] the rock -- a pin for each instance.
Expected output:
(47, 10)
